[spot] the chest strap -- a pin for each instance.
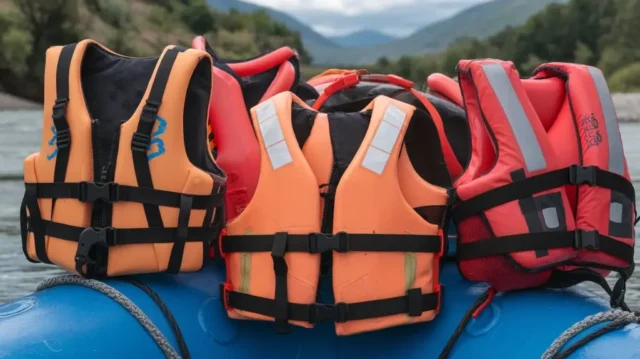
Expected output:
(413, 304)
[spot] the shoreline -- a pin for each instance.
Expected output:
(627, 105)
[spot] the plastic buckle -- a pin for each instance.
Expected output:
(341, 313)
(582, 175)
(60, 109)
(588, 240)
(140, 142)
(319, 313)
(321, 243)
(149, 111)
(93, 250)
(93, 191)
(63, 138)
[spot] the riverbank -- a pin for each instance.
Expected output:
(627, 105)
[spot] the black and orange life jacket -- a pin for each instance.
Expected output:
(342, 184)
(546, 198)
(239, 86)
(124, 182)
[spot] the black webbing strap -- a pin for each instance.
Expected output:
(33, 223)
(578, 239)
(563, 279)
(142, 137)
(280, 268)
(113, 192)
(181, 234)
(413, 304)
(572, 175)
(340, 242)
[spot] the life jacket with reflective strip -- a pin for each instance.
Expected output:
(549, 201)
(239, 86)
(341, 184)
(345, 90)
(124, 182)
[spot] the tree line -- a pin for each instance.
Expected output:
(602, 33)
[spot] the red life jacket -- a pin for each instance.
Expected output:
(242, 85)
(549, 200)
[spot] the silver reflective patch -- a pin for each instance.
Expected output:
(616, 153)
(525, 137)
(551, 217)
(615, 212)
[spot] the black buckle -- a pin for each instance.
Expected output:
(63, 138)
(589, 240)
(93, 250)
(322, 243)
(149, 111)
(93, 191)
(140, 142)
(582, 175)
(60, 109)
(319, 313)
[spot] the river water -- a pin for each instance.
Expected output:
(20, 133)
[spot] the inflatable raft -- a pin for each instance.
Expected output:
(72, 321)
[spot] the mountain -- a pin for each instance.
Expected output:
(313, 41)
(362, 38)
(478, 21)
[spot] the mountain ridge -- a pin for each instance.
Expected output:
(362, 38)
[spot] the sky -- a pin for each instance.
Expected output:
(393, 17)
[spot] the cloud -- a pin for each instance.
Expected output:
(394, 17)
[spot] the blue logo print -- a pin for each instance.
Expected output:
(52, 141)
(155, 139)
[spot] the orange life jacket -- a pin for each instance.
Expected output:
(549, 200)
(124, 182)
(339, 183)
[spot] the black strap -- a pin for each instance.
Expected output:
(340, 242)
(24, 228)
(414, 303)
(579, 239)
(36, 225)
(59, 116)
(281, 309)
(181, 234)
(113, 192)
(142, 137)
(572, 175)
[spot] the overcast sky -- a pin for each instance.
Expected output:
(395, 17)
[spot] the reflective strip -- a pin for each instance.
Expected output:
(615, 212)
(616, 153)
(525, 137)
(550, 216)
(272, 135)
(385, 138)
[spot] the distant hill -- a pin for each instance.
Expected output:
(479, 21)
(312, 40)
(362, 38)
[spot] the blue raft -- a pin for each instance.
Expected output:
(71, 321)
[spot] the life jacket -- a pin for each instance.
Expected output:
(124, 182)
(346, 90)
(341, 184)
(240, 85)
(546, 198)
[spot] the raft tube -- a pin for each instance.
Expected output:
(71, 321)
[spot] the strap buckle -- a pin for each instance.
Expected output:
(93, 191)
(63, 138)
(321, 243)
(149, 111)
(60, 109)
(319, 313)
(589, 240)
(582, 175)
(93, 250)
(140, 142)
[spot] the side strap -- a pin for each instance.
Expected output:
(340, 242)
(414, 304)
(113, 192)
(572, 175)
(142, 137)
(579, 239)
(181, 234)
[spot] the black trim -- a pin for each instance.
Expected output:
(579, 239)
(340, 312)
(142, 137)
(113, 192)
(572, 175)
(280, 268)
(181, 234)
(340, 242)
